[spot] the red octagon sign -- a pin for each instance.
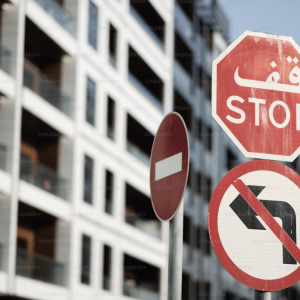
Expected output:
(256, 95)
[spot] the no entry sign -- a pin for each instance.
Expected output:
(169, 166)
(254, 224)
(256, 95)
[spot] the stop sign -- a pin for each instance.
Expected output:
(169, 166)
(256, 95)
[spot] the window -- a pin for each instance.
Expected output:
(113, 45)
(206, 84)
(201, 27)
(86, 259)
(184, 109)
(88, 179)
(145, 80)
(149, 19)
(200, 77)
(231, 160)
(188, 8)
(199, 179)
(111, 118)
(186, 229)
(208, 188)
(109, 192)
(189, 181)
(209, 37)
(93, 25)
(90, 101)
(203, 290)
(209, 136)
(107, 268)
(200, 130)
(207, 243)
(199, 237)
(185, 286)
(183, 54)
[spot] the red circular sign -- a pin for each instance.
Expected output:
(169, 166)
(217, 221)
(256, 95)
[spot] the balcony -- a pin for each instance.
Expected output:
(5, 59)
(140, 292)
(144, 91)
(146, 27)
(138, 153)
(44, 87)
(147, 226)
(59, 13)
(43, 177)
(39, 267)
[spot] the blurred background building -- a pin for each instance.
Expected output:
(84, 85)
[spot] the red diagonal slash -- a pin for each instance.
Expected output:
(268, 219)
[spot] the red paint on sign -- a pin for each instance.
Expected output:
(256, 93)
(232, 178)
(166, 192)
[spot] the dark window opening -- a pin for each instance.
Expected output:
(208, 189)
(142, 77)
(148, 13)
(200, 130)
(201, 27)
(139, 212)
(184, 109)
(93, 25)
(90, 101)
(203, 290)
(183, 54)
(113, 34)
(199, 237)
(88, 179)
(186, 229)
(107, 259)
(86, 259)
(139, 140)
(109, 192)
(185, 286)
(111, 118)
(209, 138)
(209, 37)
(199, 182)
(200, 77)
(188, 8)
(231, 160)
(189, 181)
(206, 84)
(140, 276)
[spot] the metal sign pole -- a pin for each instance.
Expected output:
(260, 295)
(175, 255)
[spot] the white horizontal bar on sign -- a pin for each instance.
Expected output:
(168, 166)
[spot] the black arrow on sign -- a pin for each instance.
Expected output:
(279, 209)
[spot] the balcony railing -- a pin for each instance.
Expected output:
(44, 87)
(59, 13)
(150, 227)
(147, 28)
(38, 267)
(144, 91)
(41, 176)
(138, 153)
(139, 292)
(5, 59)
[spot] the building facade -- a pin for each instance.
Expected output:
(84, 85)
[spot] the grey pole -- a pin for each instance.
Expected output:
(175, 255)
(261, 295)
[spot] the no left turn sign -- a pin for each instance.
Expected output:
(254, 224)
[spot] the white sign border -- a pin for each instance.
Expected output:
(214, 96)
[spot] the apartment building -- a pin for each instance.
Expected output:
(84, 85)
(201, 34)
